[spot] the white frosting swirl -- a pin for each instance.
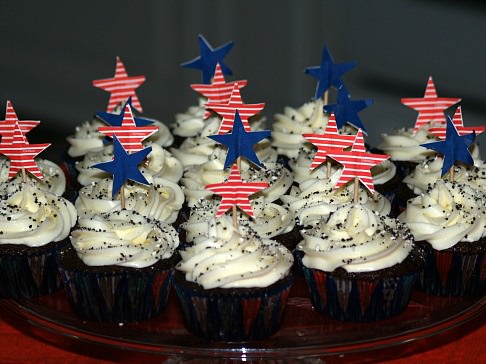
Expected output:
(356, 239)
(160, 200)
(404, 145)
(239, 261)
(34, 217)
(124, 238)
(270, 220)
(316, 198)
(54, 179)
(446, 214)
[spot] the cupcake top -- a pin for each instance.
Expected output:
(447, 213)
(405, 145)
(237, 261)
(316, 198)
(32, 216)
(54, 178)
(160, 200)
(123, 238)
(269, 221)
(160, 163)
(356, 239)
(429, 171)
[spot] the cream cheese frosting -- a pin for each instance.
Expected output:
(123, 238)
(316, 198)
(356, 239)
(237, 261)
(404, 145)
(447, 213)
(270, 220)
(32, 216)
(54, 179)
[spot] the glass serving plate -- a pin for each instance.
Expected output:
(304, 332)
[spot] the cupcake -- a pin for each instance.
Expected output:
(359, 265)
(118, 266)
(35, 225)
(448, 221)
(234, 288)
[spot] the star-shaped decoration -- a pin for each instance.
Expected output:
(219, 91)
(227, 111)
(21, 153)
(116, 119)
(454, 148)
(431, 108)
(121, 87)
(440, 131)
(209, 58)
(129, 134)
(328, 73)
(235, 192)
(7, 126)
(357, 163)
(240, 142)
(346, 110)
(329, 142)
(124, 166)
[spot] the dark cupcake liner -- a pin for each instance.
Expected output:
(404, 168)
(29, 272)
(452, 273)
(119, 296)
(358, 300)
(241, 314)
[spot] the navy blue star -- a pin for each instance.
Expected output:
(124, 166)
(454, 148)
(328, 73)
(240, 142)
(346, 110)
(114, 119)
(208, 59)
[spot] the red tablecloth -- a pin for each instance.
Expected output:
(21, 342)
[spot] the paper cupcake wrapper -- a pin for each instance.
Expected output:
(117, 297)
(449, 273)
(32, 274)
(404, 168)
(239, 315)
(358, 300)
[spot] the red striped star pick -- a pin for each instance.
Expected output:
(22, 154)
(7, 126)
(357, 163)
(227, 111)
(329, 142)
(235, 192)
(458, 122)
(121, 87)
(431, 108)
(129, 134)
(219, 91)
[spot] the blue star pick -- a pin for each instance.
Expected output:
(328, 73)
(124, 166)
(208, 59)
(346, 110)
(454, 148)
(240, 142)
(116, 119)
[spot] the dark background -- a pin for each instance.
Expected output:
(52, 50)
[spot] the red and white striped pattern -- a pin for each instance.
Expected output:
(431, 108)
(357, 163)
(227, 111)
(219, 91)
(329, 142)
(235, 192)
(129, 134)
(440, 132)
(7, 126)
(22, 154)
(121, 87)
